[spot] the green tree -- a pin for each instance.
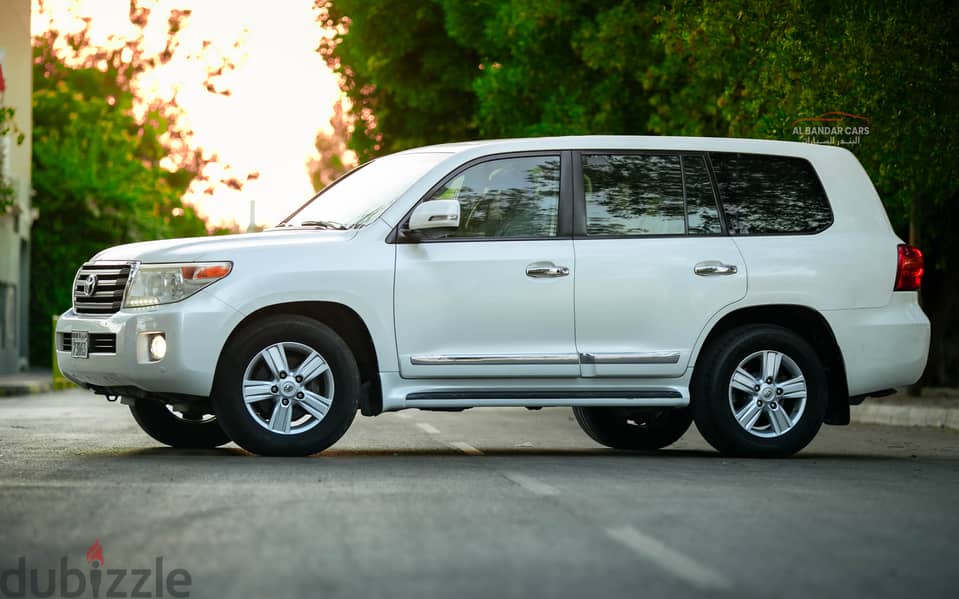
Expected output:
(489, 68)
(559, 67)
(408, 82)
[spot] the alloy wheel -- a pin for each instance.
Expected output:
(767, 393)
(288, 388)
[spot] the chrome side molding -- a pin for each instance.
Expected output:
(661, 357)
(494, 359)
(655, 357)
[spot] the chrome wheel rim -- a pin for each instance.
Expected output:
(767, 394)
(288, 388)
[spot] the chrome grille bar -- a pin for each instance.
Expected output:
(98, 288)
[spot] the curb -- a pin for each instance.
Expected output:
(14, 389)
(906, 415)
(21, 388)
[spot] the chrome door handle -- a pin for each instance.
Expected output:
(714, 267)
(545, 270)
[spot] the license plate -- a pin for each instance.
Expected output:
(80, 344)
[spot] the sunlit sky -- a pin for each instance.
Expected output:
(282, 92)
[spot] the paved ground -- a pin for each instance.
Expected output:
(490, 503)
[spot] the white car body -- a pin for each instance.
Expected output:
(447, 319)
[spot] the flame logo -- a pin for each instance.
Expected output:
(95, 554)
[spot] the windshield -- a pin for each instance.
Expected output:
(358, 198)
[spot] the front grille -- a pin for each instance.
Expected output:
(99, 288)
(100, 343)
(103, 343)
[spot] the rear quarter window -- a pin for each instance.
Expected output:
(770, 195)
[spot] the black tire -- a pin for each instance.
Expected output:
(711, 403)
(156, 420)
(244, 428)
(634, 428)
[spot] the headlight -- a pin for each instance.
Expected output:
(155, 284)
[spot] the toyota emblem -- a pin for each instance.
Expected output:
(90, 285)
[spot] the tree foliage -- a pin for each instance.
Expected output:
(557, 67)
(500, 68)
(408, 86)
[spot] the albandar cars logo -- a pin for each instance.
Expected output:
(832, 128)
(96, 580)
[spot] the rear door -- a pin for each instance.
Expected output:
(653, 262)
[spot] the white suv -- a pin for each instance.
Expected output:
(755, 287)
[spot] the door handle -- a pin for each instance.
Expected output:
(712, 268)
(545, 270)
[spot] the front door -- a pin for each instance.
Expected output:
(653, 265)
(495, 297)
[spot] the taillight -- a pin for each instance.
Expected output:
(909, 271)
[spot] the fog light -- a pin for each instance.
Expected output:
(157, 347)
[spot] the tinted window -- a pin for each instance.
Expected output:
(633, 194)
(511, 197)
(770, 194)
(701, 212)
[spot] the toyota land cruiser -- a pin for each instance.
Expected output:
(754, 287)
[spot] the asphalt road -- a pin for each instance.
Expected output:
(484, 503)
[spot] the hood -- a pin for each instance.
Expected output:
(220, 247)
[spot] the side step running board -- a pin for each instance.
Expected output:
(560, 397)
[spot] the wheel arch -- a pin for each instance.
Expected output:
(347, 324)
(809, 324)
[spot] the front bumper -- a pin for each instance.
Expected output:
(196, 330)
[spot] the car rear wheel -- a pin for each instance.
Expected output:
(759, 391)
(286, 386)
(634, 428)
(187, 430)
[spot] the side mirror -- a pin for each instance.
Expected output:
(436, 215)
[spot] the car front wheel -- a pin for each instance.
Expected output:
(286, 386)
(759, 391)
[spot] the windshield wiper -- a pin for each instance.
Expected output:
(321, 224)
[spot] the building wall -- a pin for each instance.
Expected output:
(15, 224)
